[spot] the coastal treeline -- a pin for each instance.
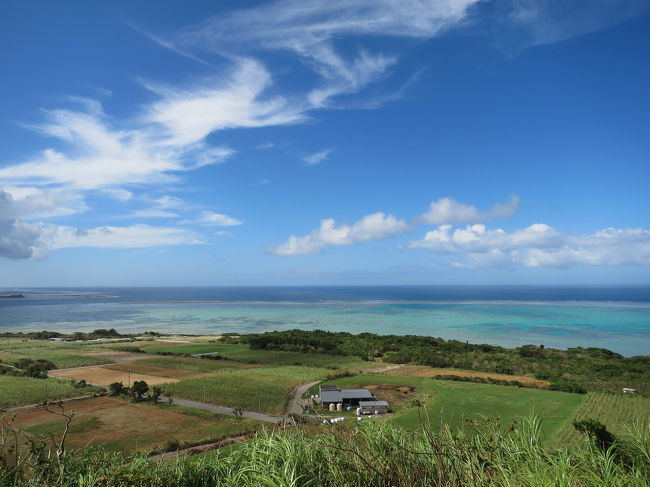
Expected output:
(374, 455)
(575, 369)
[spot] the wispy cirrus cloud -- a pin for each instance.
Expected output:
(309, 29)
(317, 157)
(376, 226)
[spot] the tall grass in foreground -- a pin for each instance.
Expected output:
(375, 455)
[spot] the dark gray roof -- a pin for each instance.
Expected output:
(330, 396)
(356, 394)
(373, 403)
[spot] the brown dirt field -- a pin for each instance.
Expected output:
(423, 371)
(156, 371)
(118, 424)
(114, 356)
(104, 376)
(395, 395)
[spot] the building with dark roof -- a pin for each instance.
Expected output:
(331, 394)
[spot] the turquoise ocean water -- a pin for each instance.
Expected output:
(613, 318)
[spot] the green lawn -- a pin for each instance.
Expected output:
(19, 391)
(452, 402)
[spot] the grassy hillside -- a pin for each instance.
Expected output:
(371, 455)
(451, 403)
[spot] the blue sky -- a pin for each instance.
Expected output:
(311, 142)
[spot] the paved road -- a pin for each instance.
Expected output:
(296, 404)
(224, 410)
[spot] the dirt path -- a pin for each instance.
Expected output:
(383, 370)
(195, 450)
(296, 403)
(224, 410)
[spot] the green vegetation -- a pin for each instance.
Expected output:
(18, 391)
(372, 455)
(617, 411)
(264, 389)
(197, 365)
(451, 403)
(192, 349)
(572, 370)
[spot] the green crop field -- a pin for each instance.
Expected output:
(60, 357)
(452, 402)
(195, 348)
(297, 358)
(194, 364)
(242, 353)
(616, 411)
(265, 389)
(19, 391)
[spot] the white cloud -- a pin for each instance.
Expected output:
(538, 245)
(210, 218)
(20, 240)
(224, 102)
(134, 236)
(309, 28)
(31, 202)
(448, 210)
(542, 22)
(101, 156)
(375, 226)
(118, 194)
(317, 158)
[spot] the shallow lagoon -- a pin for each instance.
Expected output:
(619, 324)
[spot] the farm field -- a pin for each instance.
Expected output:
(261, 389)
(124, 426)
(192, 364)
(448, 402)
(616, 411)
(18, 391)
(124, 373)
(424, 371)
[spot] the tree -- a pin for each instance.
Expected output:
(116, 389)
(155, 393)
(597, 431)
(139, 389)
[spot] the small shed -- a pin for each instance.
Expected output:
(373, 407)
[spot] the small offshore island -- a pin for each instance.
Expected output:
(198, 395)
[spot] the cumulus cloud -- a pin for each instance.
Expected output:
(375, 226)
(317, 157)
(538, 245)
(448, 210)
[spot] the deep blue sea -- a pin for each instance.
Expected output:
(617, 318)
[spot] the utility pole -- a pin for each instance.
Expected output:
(205, 385)
(46, 391)
(129, 377)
